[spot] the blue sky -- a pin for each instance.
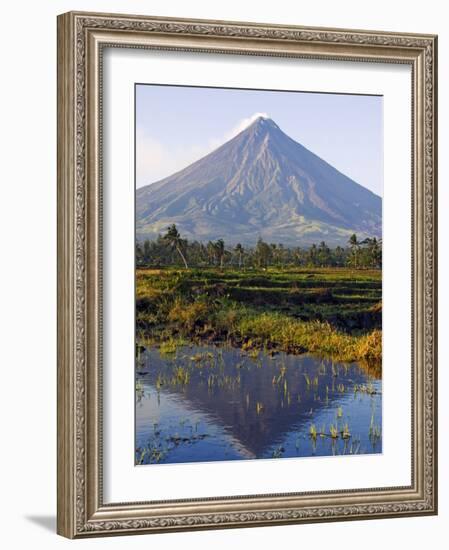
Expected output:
(177, 125)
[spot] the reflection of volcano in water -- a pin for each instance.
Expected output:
(256, 400)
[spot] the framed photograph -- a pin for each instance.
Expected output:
(246, 274)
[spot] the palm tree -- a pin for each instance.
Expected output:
(324, 254)
(211, 252)
(220, 250)
(298, 256)
(353, 241)
(263, 253)
(339, 254)
(374, 247)
(313, 255)
(355, 247)
(239, 250)
(173, 239)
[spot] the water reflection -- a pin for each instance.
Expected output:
(210, 403)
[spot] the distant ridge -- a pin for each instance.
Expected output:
(261, 183)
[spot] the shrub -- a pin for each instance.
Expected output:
(188, 315)
(227, 319)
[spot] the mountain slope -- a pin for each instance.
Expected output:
(263, 184)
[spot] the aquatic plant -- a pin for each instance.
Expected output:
(159, 381)
(368, 388)
(168, 347)
(181, 375)
(288, 377)
(140, 391)
(322, 369)
(355, 446)
(374, 432)
(345, 433)
(333, 431)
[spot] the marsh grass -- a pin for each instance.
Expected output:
(294, 336)
(291, 311)
(167, 347)
(325, 312)
(160, 444)
(333, 431)
(140, 391)
(374, 432)
(209, 368)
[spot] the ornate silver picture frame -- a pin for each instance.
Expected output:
(82, 41)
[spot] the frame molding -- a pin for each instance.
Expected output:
(81, 37)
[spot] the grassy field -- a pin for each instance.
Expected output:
(331, 312)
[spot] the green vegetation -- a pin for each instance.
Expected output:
(197, 305)
(172, 250)
(160, 443)
(173, 239)
(333, 312)
(321, 301)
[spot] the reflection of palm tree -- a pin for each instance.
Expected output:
(239, 249)
(173, 239)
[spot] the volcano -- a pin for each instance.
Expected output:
(259, 184)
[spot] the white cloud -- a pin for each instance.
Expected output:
(155, 161)
(245, 122)
(151, 159)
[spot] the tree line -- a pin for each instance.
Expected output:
(171, 249)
